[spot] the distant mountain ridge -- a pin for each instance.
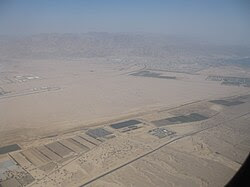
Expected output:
(93, 44)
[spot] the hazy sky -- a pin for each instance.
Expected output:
(226, 20)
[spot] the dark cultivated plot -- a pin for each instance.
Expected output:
(161, 132)
(231, 83)
(125, 124)
(152, 74)
(9, 148)
(59, 149)
(25, 179)
(227, 103)
(180, 119)
(234, 81)
(7, 164)
(243, 97)
(99, 132)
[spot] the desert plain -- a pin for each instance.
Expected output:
(121, 115)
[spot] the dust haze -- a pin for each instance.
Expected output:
(122, 109)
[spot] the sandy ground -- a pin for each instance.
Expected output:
(90, 91)
(206, 153)
(47, 114)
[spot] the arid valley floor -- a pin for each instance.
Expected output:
(121, 121)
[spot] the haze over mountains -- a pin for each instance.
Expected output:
(162, 51)
(111, 44)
